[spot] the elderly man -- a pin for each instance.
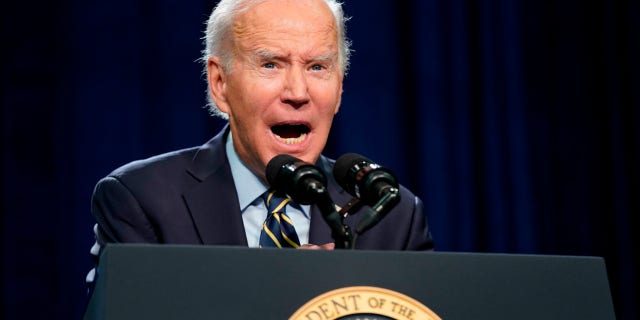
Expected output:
(275, 70)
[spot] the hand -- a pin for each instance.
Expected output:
(326, 246)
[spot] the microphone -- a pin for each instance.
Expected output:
(302, 181)
(306, 184)
(374, 185)
(363, 178)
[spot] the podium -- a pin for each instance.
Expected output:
(201, 282)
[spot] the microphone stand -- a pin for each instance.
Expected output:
(376, 212)
(390, 199)
(340, 232)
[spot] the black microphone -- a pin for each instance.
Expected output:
(306, 184)
(302, 181)
(374, 185)
(363, 178)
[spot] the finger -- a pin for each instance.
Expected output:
(326, 246)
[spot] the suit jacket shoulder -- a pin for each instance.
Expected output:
(183, 196)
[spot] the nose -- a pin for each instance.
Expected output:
(296, 89)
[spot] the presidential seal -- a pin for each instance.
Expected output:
(364, 303)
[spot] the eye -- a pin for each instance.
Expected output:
(317, 67)
(269, 65)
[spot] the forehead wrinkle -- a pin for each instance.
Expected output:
(255, 37)
(279, 34)
(276, 47)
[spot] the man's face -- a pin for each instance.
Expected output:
(285, 84)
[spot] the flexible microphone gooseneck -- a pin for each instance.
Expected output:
(374, 185)
(306, 184)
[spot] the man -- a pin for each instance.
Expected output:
(275, 71)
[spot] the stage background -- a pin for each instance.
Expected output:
(517, 123)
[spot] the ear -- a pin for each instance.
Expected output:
(339, 98)
(217, 80)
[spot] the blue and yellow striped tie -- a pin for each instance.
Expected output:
(277, 229)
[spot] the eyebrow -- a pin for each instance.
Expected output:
(329, 56)
(265, 54)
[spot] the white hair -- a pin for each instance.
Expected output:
(218, 34)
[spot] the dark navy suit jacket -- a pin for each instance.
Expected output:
(188, 197)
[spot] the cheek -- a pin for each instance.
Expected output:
(328, 92)
(330, 105)
(248, 90)
(258, 96)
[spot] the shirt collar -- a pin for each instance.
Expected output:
(248, 186)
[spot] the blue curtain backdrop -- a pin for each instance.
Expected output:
(517, 123)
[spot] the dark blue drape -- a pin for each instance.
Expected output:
(517, 123)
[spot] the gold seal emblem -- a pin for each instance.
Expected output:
(363, 303)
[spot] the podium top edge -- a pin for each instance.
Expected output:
(189, 247)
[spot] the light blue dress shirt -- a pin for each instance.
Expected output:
(250, 189)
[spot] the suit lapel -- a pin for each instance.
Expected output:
(213, 202)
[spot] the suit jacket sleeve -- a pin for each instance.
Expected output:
(119, 215)
(419, 234)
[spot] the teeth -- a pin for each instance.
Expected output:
(292, 140)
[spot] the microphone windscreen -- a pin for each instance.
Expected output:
(274, 166)
(343, 166)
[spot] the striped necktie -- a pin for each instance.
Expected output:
(277, 229)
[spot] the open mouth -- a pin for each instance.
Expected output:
(290, 133)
